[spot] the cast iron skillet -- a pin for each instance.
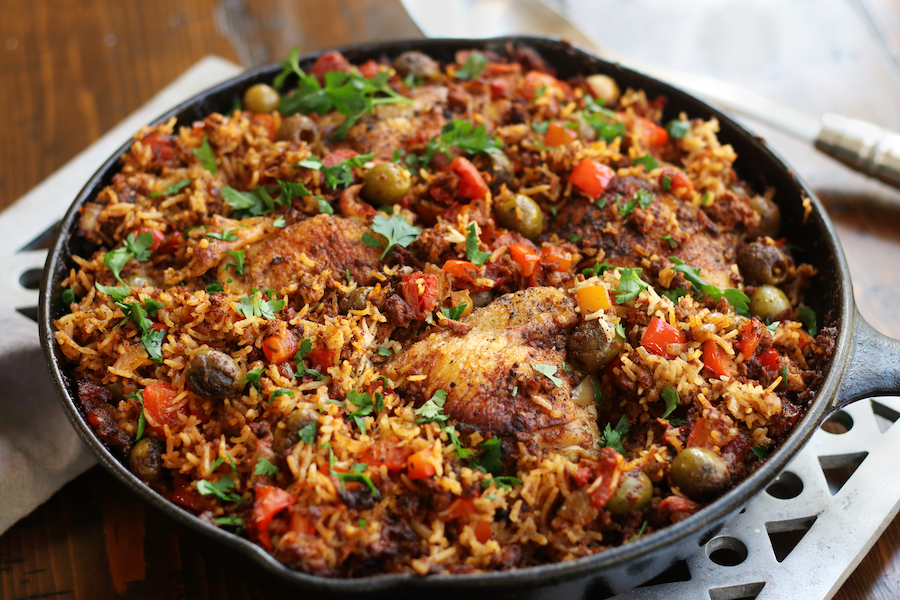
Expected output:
(864, 363)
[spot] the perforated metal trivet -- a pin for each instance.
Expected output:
(800, 539)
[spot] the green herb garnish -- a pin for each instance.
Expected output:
(630, 285)
(206, 156)
(172, 189)
(433, 410)
(612, 437)
(454, 312)
(474, 66)
(678, 129)
(220, 490)
(265, 468)
(475, 256)
(735, 297)
(549, 371)
(396, 230)
(670, 397)
(808, 317)
(256, 306)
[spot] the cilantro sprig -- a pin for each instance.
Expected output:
(475, 65)
(396, 230)
(220, 490)
(612, 436)
(433, 409)
(460, 134)
(260, 304)
(454, 312)
(206, 156)
(151, 337)
(549, 371)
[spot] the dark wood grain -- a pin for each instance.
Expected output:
(69, 71)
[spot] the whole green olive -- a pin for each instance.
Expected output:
(634, 493)
(145, 459)
(700, 473)
(386, 184)
(589, 347)
(297, 128)
(767, 302)
(769, 217)
(521, 214)
(355, 300)
(418, 64)
(261, 98)
(501, 168)
(214, 375)
(762, 263)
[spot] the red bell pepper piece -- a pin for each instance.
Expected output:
(270, 500)
(591, 177)
(658, 337)
(471, 184)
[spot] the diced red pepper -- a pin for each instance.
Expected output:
(418, 465)
(161, 144)
(525, 257)
(302, 523)
(460, 507)
(558, 135)
(369, 69)
(338, 156)
(420, 291)
(483, 531)
(591, 177)
(321, 358)
(749, 337)
(556, 258)
(93, 419)
(159, 399)
(659, 335)
(387, 454)
(279, 348)
(769, 358)
(715, 359)
(270, 500)
(651, 133)
(679, 183)
(471, 183)
(499, 88)
(157, 235)
(330, 61)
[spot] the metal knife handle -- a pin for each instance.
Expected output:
(862, 146)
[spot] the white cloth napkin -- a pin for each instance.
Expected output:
(39, 450)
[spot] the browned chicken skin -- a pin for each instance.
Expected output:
(489, 375)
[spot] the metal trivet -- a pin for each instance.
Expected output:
(800, 539)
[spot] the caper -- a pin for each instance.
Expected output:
(700, 473)
(297, 128)
(417, 63)
(634, 493)
(767, 302)
(145, 459)
(386, 184)
(521, 214)
(501, 168)
(214, 375)
(769, 217)
(590, 348)
(762, 263)
(355, 300)
(261, 98)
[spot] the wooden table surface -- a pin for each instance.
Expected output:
(70, 70)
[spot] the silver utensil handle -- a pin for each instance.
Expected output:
(862, 146)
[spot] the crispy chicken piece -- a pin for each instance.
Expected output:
(304, 251)
(489, 375)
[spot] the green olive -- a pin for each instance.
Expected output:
(762, 263)
(213, 374)
(767, 302)
(297, 128)
(522, 214)
(419, 64)
(700, 473)
(502, 169)
(769, 217)
(480, 299)
(145, 459)
(590, 348)
(141, 281)
(261, 98)
(634, 493)
(386, 184)
(287, 436)
(355, 300)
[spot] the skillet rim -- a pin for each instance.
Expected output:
(710, 516)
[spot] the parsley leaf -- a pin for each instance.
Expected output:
(670, 396)
(675, 294)
(172, 189)
(229, 521)
(475, 256)
(612, 437)
(220, 490)
(299, 368)
(364, 405)
(808, 317)
(279, 222)
(307, 433)
(256, 306)
(503, 483)
(238, 265)
(474, 66)
(540, 126)
(140, 246)
(324, 207)
(253, 203)
(206, 156)
(341, 174)
(454, 439)
(292, 189)
(648, 161)
(459, 134)
(597, 269)
(454, 312)
(356, 474)
(626, 208)
(225, 236)
(490, 460)
(264, 467)
(668, 238)
(678, 129)
(151, 338)
(773, 327)
(666, 183)
(289, 65)
(639, 533)
(603, 121)
(68, 296)
(281, 392)
(549, 371)
(116, 293)
(574, 238)
(142, 420)
(397, 230)
(214, 287)
(677, 421)
(644, 198)
(735, 297)
(760, 451)
(630, 285)
(384, 352)
(252, 377)
(152, 306)
(137, 247)
(433, 410)
(620, 329)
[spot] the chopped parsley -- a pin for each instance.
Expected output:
(454, 312)
(396, 230)
(364, 407)
(456, 134)
(115, 292)
(253, 203)
(670, 397)
(597, 269)
(549, 371)
(225, 236)
(639, 533)
(735, 297)
(142, 421)
(172, 189)
(279, 222)
(678, 129)
(626, 208)
(220, 490)
(385, 351)
(229, 521)
(152, 306)
(540, 126)
(784, 375)
(675, 294)
(603, 121)
(666, 183)
(630, 284)
(151, 337)
(490, 460)
(773, 327)
(761, 452)
(677, 421)
(137, 247)
(299, 369)
(454, 439)
(648, 161)
(475, 256)
(668, 238)
(433, 410)
(612, 437)
(256, 306)
(281, 392)
(644, 198)
(214, 287)
(808, 317)
(307, 433)
(355, 474)
(474, 66)
(292, 189)
(620, 329)
(574, 238)
(341, 174)
(264, 467)
(252, 377)
(206, 156)
(503, 483)
(68, 295)
(324, 207)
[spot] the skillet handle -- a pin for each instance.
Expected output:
(873, 366)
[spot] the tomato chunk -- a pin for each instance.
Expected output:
(525, 257)
(157, 235)
(266, 122)
(369, 69)
(659, 335)
(387, 454)
(499, 88)
(338, 156)
(591, 177)
(321, 358)
(458, 508)
(471, 183)
(676, 182)
(160, 408)
(270, 500)
(172, 243)
(161, 144)
(418, 465)
(279, 348)
(183, 495)
(461, 269)
(556, 258)
(651, 133)
(557, 135)
(420, 292)
(749, 337)
(769, 358)
(483, 531)
(715, 359)
(330, 61)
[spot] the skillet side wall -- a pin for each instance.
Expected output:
(596, 576)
